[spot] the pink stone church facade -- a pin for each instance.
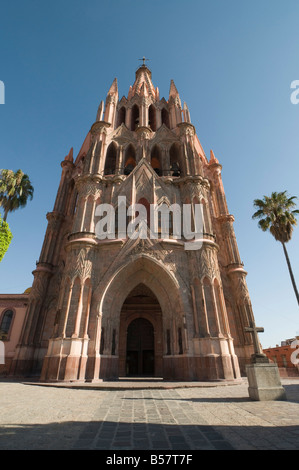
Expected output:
(104, 309)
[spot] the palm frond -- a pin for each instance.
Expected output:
(275, 215)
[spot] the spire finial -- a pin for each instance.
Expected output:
(213, 159)
(113, 89)
(69, 157)
(143, 59)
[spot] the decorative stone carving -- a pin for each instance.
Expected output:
(242, 290)
(39, 286)
(99, 128)
(208, 264)
(164, 136)
(123, 136)
(54, 287)
(82, 266)
(54, 221)
(187, 129)
(113, 266)
(87, 187)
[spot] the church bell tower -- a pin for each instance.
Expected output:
(101, 309)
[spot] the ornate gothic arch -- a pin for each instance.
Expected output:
(148, 271)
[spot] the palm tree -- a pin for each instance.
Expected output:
(15, 190)
(276, 215)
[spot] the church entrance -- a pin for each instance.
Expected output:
(141, 335)
(140, 348)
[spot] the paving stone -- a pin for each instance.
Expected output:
(183, 418)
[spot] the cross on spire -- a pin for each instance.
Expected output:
(143, 59)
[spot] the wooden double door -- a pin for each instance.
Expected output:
(140, 354)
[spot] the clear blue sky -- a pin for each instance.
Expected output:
(232, 62)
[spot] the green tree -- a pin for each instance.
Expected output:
(277, 214)
(5, 237)
(15, 190)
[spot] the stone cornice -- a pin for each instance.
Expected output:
(235, 268)
(14, 298)
(144, 131)
(223, 218)
(42, 267)
(186, 127)
(197, 179)
(98, 127)
(215, 167)
(67, 164)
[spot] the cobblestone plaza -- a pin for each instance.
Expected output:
(147, 416)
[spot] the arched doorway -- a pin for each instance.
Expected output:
(142, 288)
(140, 357)
(141, 334)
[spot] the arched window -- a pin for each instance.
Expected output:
(134, 117)
(121, 117)
(201, 318)
(232, 321)
(110, 163)
(219, 304)
(156, 160)
(71, 198)
(164, 221)
(86, 298)
(88, 215)
(102, 343)
(180, 340)
(130, 159)
(210, 308)
(152, 122)
(122, 220)
(168, 343)
(74, 203)
(147, 206)
(6, 324)
(165, 117)
(73, 308)
(174, 158)
(206, 220)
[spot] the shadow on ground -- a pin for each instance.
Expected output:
(141, 436)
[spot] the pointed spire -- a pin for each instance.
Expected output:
(186, 113)
(143, 90)
(213, 159)
(69, 157)
(114, 88)
(173, 92)
(111, 102)
(143, 78)
(130, 94)
(100, 111)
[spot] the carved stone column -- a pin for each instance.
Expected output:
(55, 220)
(229, 238)
(24, 361)
(89, 190)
